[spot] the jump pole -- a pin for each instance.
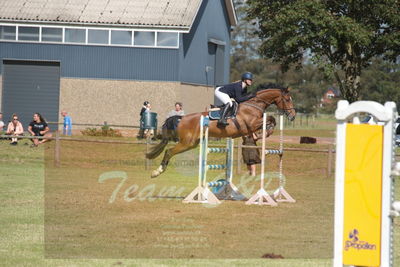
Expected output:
(281, 195)
(364, 185)
(262, 197)
(226, 186)
(202, 193)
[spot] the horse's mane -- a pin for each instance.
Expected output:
(266, 86)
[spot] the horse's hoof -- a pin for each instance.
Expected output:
(157, 172)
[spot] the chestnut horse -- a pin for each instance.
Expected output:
(249, 119)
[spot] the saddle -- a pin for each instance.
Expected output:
(214, 113)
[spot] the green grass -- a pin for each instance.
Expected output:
(62, 216)
(309, 122)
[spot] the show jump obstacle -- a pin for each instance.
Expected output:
(202, 193)
(280, 195)
(364, 184)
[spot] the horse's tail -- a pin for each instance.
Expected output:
(156, 150)
(168, 131)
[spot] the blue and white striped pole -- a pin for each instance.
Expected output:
(218, 183)
(229, 159)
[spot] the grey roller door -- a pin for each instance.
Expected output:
(29, 87)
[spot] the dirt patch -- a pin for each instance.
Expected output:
(272, 256)
(296, 140)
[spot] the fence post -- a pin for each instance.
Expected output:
(330, 152)
(147, 163)
(239, 157)
(57, 150)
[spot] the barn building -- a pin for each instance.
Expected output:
(101, 59)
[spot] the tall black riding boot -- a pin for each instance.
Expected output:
(222, 121)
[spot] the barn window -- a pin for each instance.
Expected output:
(121, 37)
(75, 35)
(144, 38)
(7, 32)
(89, 35)
(28, 33)
(167, 39)
(52, 34)
(97, 36)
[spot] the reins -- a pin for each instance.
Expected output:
(267, 104)
(254, 106)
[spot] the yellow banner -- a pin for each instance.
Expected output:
(363, 195)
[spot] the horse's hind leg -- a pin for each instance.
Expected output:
(169, 153)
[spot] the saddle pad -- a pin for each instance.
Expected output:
(214, 115)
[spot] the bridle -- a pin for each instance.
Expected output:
(283, 99)
(267, 104)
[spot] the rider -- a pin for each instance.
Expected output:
(237, 91)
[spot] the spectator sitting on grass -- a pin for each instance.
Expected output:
(39, 127)
(14, 128)
(178, 111)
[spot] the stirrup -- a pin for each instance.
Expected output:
(222, 123)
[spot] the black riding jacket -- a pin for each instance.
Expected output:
(235, 91)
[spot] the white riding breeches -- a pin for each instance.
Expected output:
(223, 97)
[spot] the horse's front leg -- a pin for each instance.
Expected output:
(169, 153)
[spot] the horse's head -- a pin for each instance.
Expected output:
(280, 96)
(285, 103)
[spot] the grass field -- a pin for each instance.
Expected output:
(310, 122)
(100, 208)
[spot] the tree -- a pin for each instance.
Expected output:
(308, 88)
(245, 42)
(340, 36)
(381, 82)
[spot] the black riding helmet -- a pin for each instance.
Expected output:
(146, 103)
(247, 76)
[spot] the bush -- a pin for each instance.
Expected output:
(104, 131)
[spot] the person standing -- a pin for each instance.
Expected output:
(38, 127)
(251, 156)
(67, 127)
(14, 128)
(145, 108)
